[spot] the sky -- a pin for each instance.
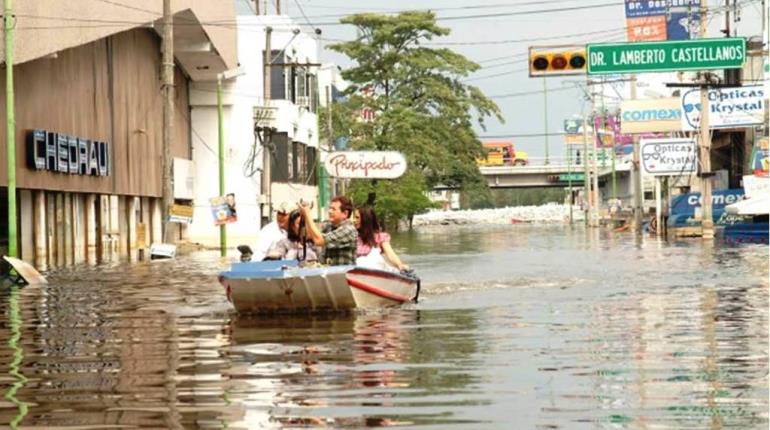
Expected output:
(495, 43)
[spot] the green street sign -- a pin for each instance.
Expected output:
(566, 177)
(673, 55)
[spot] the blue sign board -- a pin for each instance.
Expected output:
(683, 206)
(682, 16)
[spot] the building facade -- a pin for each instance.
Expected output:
(88, 116)
(280, 126)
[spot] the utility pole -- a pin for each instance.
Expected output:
(545, 117)
(569, 181)
(10, 129)
(636, 172)
(330, 129)
(707, 223)
(595, 177)
(266, 143)
(586, 177)
(168, 115)
(221, 156)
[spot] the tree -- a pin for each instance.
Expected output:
(420, 105)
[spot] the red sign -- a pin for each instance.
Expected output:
(647, 28)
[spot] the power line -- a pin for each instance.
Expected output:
(503, 14)
(441, 9)
(529, 39)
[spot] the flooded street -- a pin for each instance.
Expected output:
(518, 327)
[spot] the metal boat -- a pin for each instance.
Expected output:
(284, 286)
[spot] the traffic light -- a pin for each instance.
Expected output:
(557, 60)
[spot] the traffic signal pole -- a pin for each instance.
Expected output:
(10, 130)
(636, 172)
(707, 223)
(545, 118)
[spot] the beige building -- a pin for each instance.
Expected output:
(87, 82)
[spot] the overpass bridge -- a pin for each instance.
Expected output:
(556, 173)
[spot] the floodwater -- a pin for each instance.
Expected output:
(518, 327)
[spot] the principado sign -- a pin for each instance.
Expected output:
(365, 164)
(673, 55)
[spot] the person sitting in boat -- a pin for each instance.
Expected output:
(373, 248)
(272, 232)
(337, 236)
(293, 247)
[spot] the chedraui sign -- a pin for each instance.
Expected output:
(673, 55)
(650, 115)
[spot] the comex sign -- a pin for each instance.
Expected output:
(651, 115)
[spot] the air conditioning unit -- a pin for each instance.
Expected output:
(303, 102)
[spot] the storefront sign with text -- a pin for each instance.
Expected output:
(365, 164)
(58, 152)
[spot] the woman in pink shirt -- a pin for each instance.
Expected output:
(373, 244)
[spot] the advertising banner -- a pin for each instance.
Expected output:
(365, 164)
(649, 20)
(645, 29)
(728, 107)
(608, 131)
(685, 206)
(650, 115)
(760, 159)
(668, 157)
(223, 209)
(182, 214)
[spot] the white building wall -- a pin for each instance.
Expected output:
(240, 95)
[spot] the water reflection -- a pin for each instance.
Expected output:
(518, 327)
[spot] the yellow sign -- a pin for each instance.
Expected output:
(141, 234)
(182, 214)
(577, 139)
(650, 115)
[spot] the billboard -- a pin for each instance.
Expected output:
(668, 157)
(650, 115)
(650, 20)
(728, 107)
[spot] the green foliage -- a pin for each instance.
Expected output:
(421, 106)
(396, 199)
(527, 196)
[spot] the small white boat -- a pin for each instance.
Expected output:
(283, 286)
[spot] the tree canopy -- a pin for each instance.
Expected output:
(418, 105)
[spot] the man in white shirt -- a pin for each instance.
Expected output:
(272, 232)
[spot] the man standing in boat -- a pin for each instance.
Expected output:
(338, 237)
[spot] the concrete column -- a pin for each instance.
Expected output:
(39, 233)
(145, 208)
(114, 230)
(79, 228)
(101, 229)
(61, 261)
(50, 228)
(27, 222)
(131, 206)
(90, 214)
(156, 221)
(122, 214)
(69, 249)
